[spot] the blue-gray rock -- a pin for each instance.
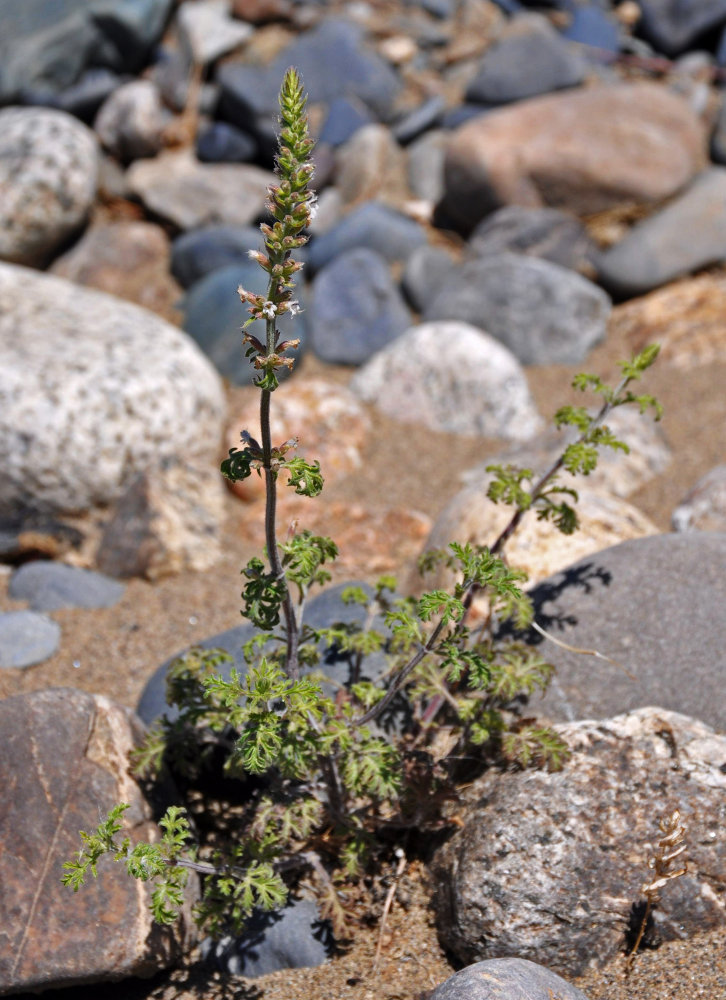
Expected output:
(594, 27)
(27, 638)
(345, 116)
(672, 25)
(372, 226)
(509, 6)
(689, 233)
(48, 179)
(510, 978)
(196, 253)
(326, 609)
(655, 605)
(442, 9)
(47, 586)
(537, 232)
(213, 317)
(524, 65)
(355, 308)
(423, 118)
(81, 99)
(206, 31)
(223, 143)
(544, 313)
(704, 506)
(426, 270)
(292, 938)
(333, 62)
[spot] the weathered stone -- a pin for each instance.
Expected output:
(655, 607)
(655, 252)
(127, 259)
(47, 586)
(450, 377)
(543, 313)
(176, 186)
(200, 251)
(426, 270)
(373, 226)
(168, 521)
(426, 165)
(550, 866)
(65, 757)
(76, 423)
(208, 32)
(506, 979)
(704, 507)
(538, 232)
(130, 124)
(583, 151)
(48, 177)
(223, 143)
(371, 166)
(686, 319)
(328, 419)
(27, 638)
(25, 534)
(671, 27)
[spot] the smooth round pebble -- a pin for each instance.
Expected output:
(27, 638)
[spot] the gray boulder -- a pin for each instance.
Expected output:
(550, 866)
(92, 391)
(506, 979)
(537, 232)
(47, 586)
(672, 27)
(543, 313)
(48, 177)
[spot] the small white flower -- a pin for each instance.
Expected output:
(269, 310)
(313, 206)
(294, 307)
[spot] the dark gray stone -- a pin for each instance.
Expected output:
(689, 233)
(654, 605)
(525, 65)
(292, 938)
(82, 99)
(223, 143)
(538, 232)
(423, 118)
(213, 317)
(27, 638)
(594, 27)
(47, 586)
(426, 270)
(374, 226)
(196, 253)
(543, 313)
(345, 116)
(672, 25)
(506, 979)
(356, 309)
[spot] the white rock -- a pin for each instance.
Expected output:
(207, 31)
(131, 121)
(450, 376)
(93, 391)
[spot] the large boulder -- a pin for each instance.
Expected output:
(92, 391)
(584, 151)
(550, 866)
(513, 978)
(48, 178)
(64, 765)
(672, 25)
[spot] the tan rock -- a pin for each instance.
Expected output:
(583, 151)
(686, 319)
(371, 165)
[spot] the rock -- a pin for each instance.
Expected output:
(48, 177)
(539, 850)
(419, 121)
(685, 318)
(372, 226)
(25, 534)
(537, 547)
(718, 137)
(538, 232)
(671, 28)
(450, 377)
(544, 313)
(328, 419)
(589, 25)
(371, 166)
(654, 251)
(66, 756)
(196, 253)
(76, 424)
(207, 31)
(426, 270)
(167, 521)
(27, 638)
(190, 194)
(131, 122)
(223, 143)
(513, 978)
(213, 317)
(47, 586)
(582, 151)
(292, 938)
(531, 60)
(637, 604)
(617, 473)
(127, 259)
(345, 116)
(704, 507)
(356, 309)
(262, 11)
(81, 99)
(332, 60)
(426, 166)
